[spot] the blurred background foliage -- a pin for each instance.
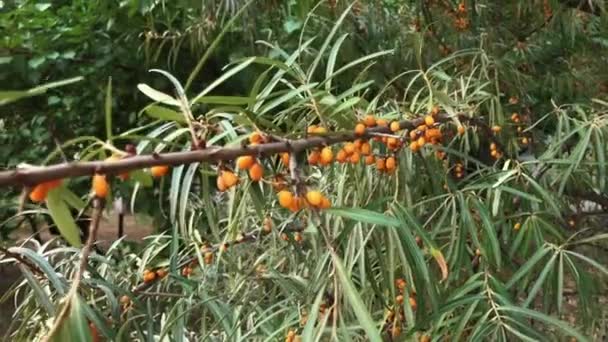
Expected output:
(542, 59)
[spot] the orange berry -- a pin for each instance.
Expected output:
(325, 203)
(320, 130)
(390, 163)
(159, 170)
(149, 276)
(414, 146)
(524, 141)
(382, 123)
(435, 110)
(285, 198)
(492, 146)
(207, 258)
(425, 338)
(245, 162)
(230, 179)
(413, 303)
(440, 154)
(494, 153)
(221, 185)
(517, 226)
(187, 271)
(256, 138)
(285, 158)
(358, 144)
(355, 158)
(432, 133)
(161, 273)
(125, 300)
(267, 225)
(515, 117)
(429, 120)
(461, 129)
(366, 149)
(100, 186)
(496, 129)
(314, 197)
(413, 135)
(401, 283)
(399, 299)
(395, 127)
(327, 155)
(421, 128)
(341, 156)
(380, 164)
(349, 148)
(369, 121)
(39, 193)
(392, 142)
(284, 237)
(313, 157)
(421, 141)
(311, 129)
(256, 172)
(297, 237)
(369, 160)
(360, 129)
(296, 204)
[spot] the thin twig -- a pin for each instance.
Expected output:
(21, 260)
(84, 258)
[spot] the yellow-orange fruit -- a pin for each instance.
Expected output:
(517, 226)
(313, 157)
(391, 163)
(325, 203)
(256, 172)
(349, 148)
(297, 203)
(370, 121)
(392, 142)
(149, 276)
(395, 126)
(496, 129)
(413, 135)
(369, 160)
(461, 130)
(413, 303)
(230, 179)
(314, 197)
(421, 128)
(355, 158)
(125, 300)
(327, 156)
(381, 123)
(400, 283)
(366, 149)
(380, 164)
(285, 198)
(429, 120)
(187, 271)
(245, 162)
(515, 117)
(256, 138)
(492, 146)
(159, 170)
(311, 129)
(284, 237)
(100, 186)
(399, 299)
(414, 146)
(208, 258)
(524, 141)
(435, 110)
(440, 155)
(161, 273)
(285, 158)
(221, 185)
(297, 237)
(425, 338)
(341, 156)
(360, 129)
(39, 193)
(432, 133)
(320, 130)
(358, 144)
(421, 141)
(267, 225)
(494, 153)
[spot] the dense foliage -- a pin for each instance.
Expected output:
(492, 230)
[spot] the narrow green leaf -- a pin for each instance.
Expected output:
(563, 326)
(63, 218)
(525, 268)
(157, 96)
(491, 234)
(166, 114)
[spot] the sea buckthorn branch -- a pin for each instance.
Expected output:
(37, 175)
(224, 246)
(9, 254)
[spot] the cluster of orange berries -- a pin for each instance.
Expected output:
(294, 202)
(297, 237)
(321, 157)
(461, 22)
(256, 171)
(494, 151)
(423, 134)
(292, 336)
(458, 170)
(151, 275)
(516, 118)
(394, 319)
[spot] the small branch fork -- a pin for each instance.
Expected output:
(33, 176)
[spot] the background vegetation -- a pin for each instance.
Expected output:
(522, 235)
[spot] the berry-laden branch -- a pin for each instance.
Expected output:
(38, 175)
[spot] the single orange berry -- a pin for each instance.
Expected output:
(284, 237)
(380, 164)
(369, 160)
(492, 146)
(425, 338)
(230, 179)
(382, 123)
(517, 226)
(161, 273)
(392, 142)
(358, 144)
(524, 141)
(221, 185)
(341, 156)
(256, 138)
(296, 204)
(100, 186)
(314, 198)
(366, 149)
(159, 170)
(421, 141)
(399, 299)
(360, 129)
(390, 163)
(355, 158)
(285, 198)
(461, 129)
(327, 156)
(395, 126)
(125, 300)
(429, 120)
(207, 258)
(149, 276)
(245, 162)
(297, 237)
(421, 128)
(313, 157)
(494, 153)
(285, 158)
(414, 135)
(267, 225)
(515, 117)
(432, 133)
(320, 130)
(39, 193)
(496, 129)
(256, 172)
(311, 129)
(349, 148)
(414, 146)
(370, 121)
(413, 303)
